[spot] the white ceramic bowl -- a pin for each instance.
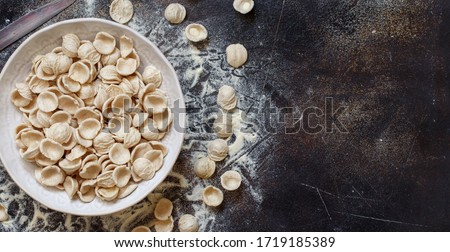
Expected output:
(17, 69)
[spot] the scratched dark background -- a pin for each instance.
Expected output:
(386, 63)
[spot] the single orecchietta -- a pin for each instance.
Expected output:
(3, 213)
(188, 223)
(204, 167)
(164, 226)
(92, 123)
(223, 125)
(226, 98)
(236, 55)
(175, 13)
(231, 180)
(212, 196)
(121, 11)
(196, 32)
(141, 229)
(217, 150)
(243, 6)
(163, 209)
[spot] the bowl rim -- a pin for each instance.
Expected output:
(181, 120)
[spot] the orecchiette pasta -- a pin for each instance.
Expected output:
(196, 32)
(121, 11)
(141, 229)
(212, 196)
(243, 6)
(188, 223)
(226, 97)
(175, 13)
(217, 150)
(236, 55)
(81, 124)
(163, 209)
(3, 213)
(231, 180)
(204, 167)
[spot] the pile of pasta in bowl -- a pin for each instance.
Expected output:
(92, 123)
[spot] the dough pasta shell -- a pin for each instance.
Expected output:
(175, 13)
(231, 180)
(70, 166)
(163, 209)
(217, 150)
(204, 167)
(59, 132)
(52, 176)
(37, 85)
(226, 98)
(155, 104)
(126, 67)
(68, 104)
(18, 100)
(90, 170)
(156, 157)
(164, 226)
(243, 6)
(51, 149)
(70, 45)
(70, 186)
(127, 190)
(88, 51)
(140, 150)
(3, 213)
(188, 223)
(152, 75)
(121, 11)
(79, 72)
(143, 168)
(106, 180)
(89, 128)
(121, 176)
(103, 143)
(119, 154)
(104, 43)
(212, 196)
(236, 55)
(126, 46)
(196, 32)
(47, 101)
(111, 59)
(141, 229)
(107, 194)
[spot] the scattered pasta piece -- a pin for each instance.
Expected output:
(223, 126)
(163, 209)
(196, 32)
(121, 11)
(243, 6)
(164, 226)
(141, 229)
(188, 223)
(226, 98)
(212, 196)
(204, 167)
(3, 213)
(175, 13)
(231, 180)
(217, 150)
(236, 55)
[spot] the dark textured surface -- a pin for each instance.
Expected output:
(387, 62)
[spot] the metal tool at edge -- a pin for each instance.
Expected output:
(31, 21)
